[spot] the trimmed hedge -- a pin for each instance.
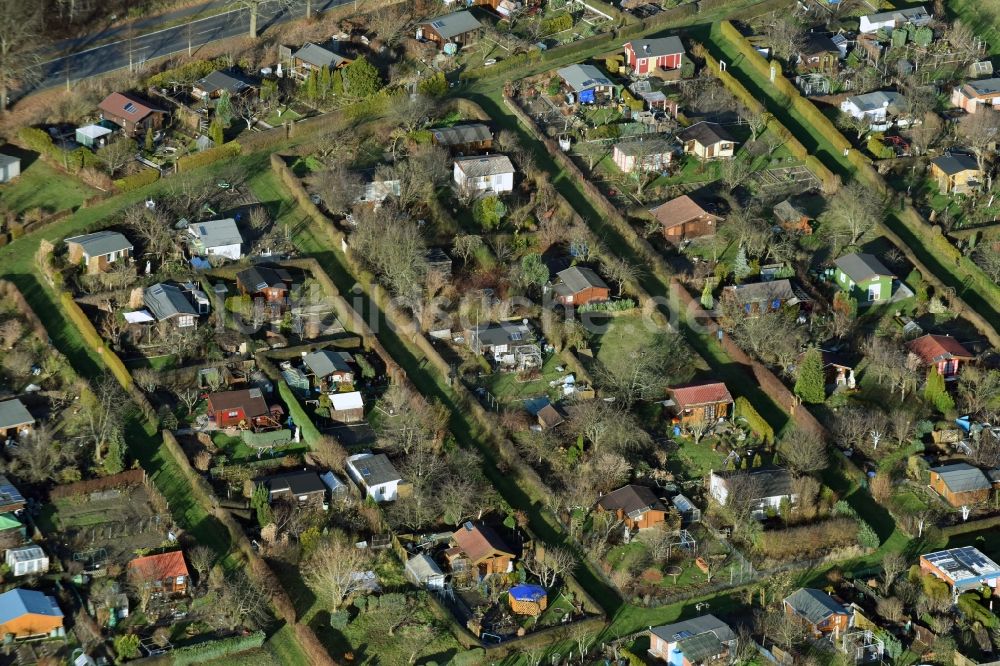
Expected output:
(137, 180)
(93, 338)
(202, 652)
(310, 434)
(206, 157)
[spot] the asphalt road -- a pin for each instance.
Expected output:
(83, 62)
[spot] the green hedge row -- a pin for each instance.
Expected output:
(93, 338)
(206, 157)
(137, 180)
(202, 652)
(310, 434)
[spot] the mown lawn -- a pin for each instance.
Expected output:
(41, 186)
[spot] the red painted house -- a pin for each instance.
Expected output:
(649, 56)
(245, 409)
(944, 351)
(579, 285)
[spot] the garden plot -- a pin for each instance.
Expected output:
(108, 526)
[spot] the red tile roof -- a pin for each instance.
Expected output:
(125, 106)
(701, 394)
(678, 211)
(934, 348)
(159, 567)
(479, 542)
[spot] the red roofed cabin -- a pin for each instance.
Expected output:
(701, 402)
(166, 573)
(682, 219)
(652, 56)
(244, 409)
(131, 113)
(481, 547)
(637, 506)
(944, 351)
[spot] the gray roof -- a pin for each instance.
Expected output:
(494, 334)
(912, 14)
(653, 48)
(459, 134)
(953, 163)
(219, 80)
(985, 86)
(578, 278)
(6, 160)
(962, 477)
(13, 413)
(862, 267)
(166, 301)
(259, 278)
(318, 56)
(453, 25)
(302, 482)
(774, 481)
(786, 211)
(583, 77)
(762, 292)
(705, 133)
(875, 100)
(215, 233)
(654, 146)
(695, 627)
(485, 165)
(375, 469)
(813, 605)
(324, 363)
(100, 243)
(422, 566)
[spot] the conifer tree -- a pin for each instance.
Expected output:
(810, 385)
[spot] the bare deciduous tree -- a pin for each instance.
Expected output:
(243, 602)
(20, 24)
(804, 452)
(853, 213)
(552, 564)
(980, 132)
(255, 7)
(331, 571)
(619, 271)
(339, 188)
(116, 154)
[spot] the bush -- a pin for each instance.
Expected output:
(339, 619)
(609, 306)
(557, 23)
(867, 536)
(137, 180)
(127, 646)
(812, 540)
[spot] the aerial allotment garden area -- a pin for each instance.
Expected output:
(558, 332)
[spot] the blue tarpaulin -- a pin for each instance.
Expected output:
(587, 96)
(527, 592)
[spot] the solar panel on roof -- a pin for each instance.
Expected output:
(130, 107)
